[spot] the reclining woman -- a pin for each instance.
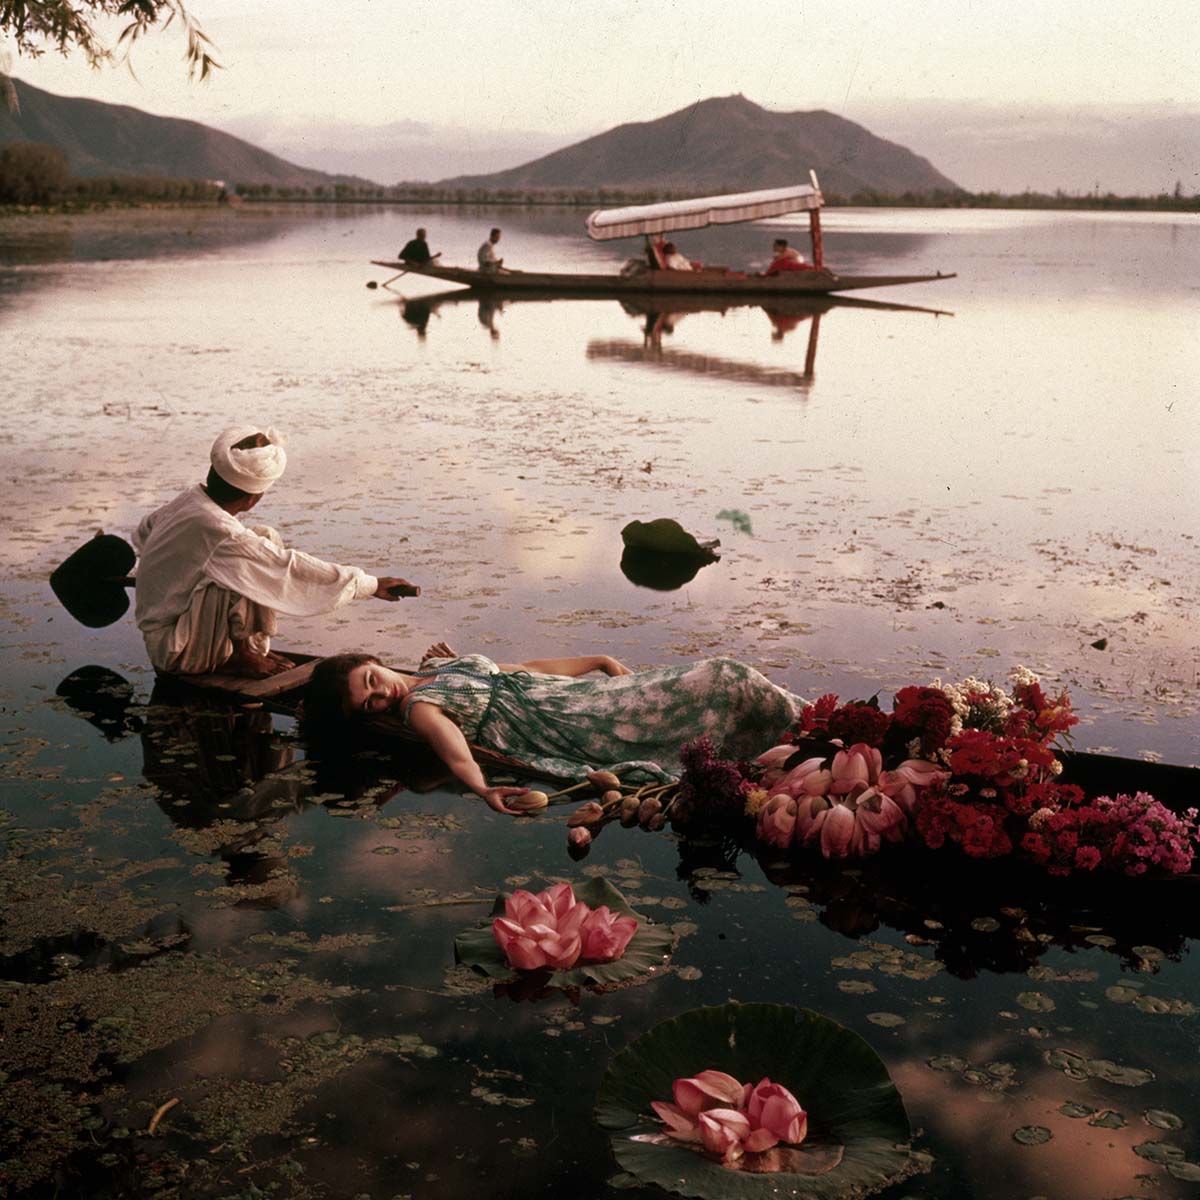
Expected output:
(561, 716)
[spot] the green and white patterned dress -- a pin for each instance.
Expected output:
(631, 724)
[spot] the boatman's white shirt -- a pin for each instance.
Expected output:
(191, 542)
(487, 256)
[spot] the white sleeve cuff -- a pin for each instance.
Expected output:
(365, 586)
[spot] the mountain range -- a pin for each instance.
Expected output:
(112, 139)
(727, 144)
(722, 144)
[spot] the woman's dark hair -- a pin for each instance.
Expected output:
(326, 710)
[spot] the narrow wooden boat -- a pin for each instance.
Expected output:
(1175, 786)
(650, 274)
(718, 282)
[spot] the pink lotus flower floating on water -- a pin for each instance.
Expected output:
(553, 929)
(848, 807)
(730, 1119)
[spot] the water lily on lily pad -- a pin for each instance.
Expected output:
(589, 934)
(850, 1138)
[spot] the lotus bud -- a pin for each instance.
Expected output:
(528, 802)
(629, 810)
(656, 822)
(611, 797)
(648, 808)
(579, 841)
(603, 780)
(586, 814)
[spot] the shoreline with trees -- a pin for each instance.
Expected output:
(35, 178)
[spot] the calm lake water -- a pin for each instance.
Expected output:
(1003, 472)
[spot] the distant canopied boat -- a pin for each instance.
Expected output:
(650, 273)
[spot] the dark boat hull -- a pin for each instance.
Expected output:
(709, 283)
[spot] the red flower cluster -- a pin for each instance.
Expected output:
(814, 718)
(857, 722)
(1037, 716)
(925, 713)
(977, 827)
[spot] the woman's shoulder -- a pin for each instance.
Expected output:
(472, 664)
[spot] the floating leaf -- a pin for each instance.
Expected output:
(1032, 1135)
(646, 951)
(666, 536)
(1075, 1111)
(1036, 1001)
(1160, 1152)
(858, 1129)
(1160, 1118)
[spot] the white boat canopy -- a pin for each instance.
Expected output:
(703, 210)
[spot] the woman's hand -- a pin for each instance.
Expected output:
(438, 650)
(495, 797)
(611, 666)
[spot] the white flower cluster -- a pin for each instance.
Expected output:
(1023, 675)
(978, 704)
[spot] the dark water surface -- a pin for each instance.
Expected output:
(192, 911)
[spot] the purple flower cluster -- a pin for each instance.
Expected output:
(1147, 836)
(710, 786)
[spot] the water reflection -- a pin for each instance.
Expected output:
(659, 316)
(214, 763)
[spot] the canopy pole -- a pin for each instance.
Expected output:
(814, 229)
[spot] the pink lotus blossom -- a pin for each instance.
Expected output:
(604, 935)
(775, 1116)
(809, 778)
(709, 1089)
(586, 814)
(723, 1131)
(856, 769)
(694, 1095)
(542, 930)
(730, 1118)
(777, 821)
(811, 812)
(905, 784)
(772, 763)
(838, 832)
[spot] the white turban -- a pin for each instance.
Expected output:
(251, 470)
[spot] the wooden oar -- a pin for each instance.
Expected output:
(372, 284)
(91, 583)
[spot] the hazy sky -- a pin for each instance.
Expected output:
(513, 79)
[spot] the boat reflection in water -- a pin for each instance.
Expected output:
(660, 315)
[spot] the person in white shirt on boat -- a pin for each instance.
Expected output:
(488, 261)
(673, 260)
(209, 587)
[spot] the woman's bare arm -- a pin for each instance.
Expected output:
(451, 747)
(580, 665)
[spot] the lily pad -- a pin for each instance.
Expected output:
(666, 536)
(647, 949)
(859, 1133)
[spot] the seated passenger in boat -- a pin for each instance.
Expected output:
(488, 262)
(559, 716)
(416, 250)
(673, 260)
(785, 258)
(209, 587)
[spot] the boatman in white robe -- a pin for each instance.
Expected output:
(209, 587)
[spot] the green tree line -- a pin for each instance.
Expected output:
(35, 174)
(32, 173)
